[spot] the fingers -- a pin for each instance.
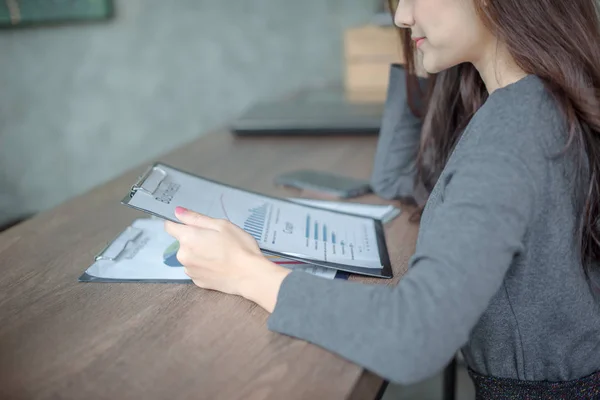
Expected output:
(181, 232)
(197, 280)
(193, 218)
(185, 257)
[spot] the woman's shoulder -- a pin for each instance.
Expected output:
(522, 118)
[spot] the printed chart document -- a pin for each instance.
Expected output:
(144, 252)
(385, 213)
(281, 227)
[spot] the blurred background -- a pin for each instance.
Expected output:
(122, 81)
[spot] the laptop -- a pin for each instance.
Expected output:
(314, 111)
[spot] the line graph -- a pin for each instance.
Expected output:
(222, 201)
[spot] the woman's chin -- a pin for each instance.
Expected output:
(433, 66)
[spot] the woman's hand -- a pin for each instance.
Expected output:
(218, 255)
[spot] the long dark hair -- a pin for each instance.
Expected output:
(556, 40)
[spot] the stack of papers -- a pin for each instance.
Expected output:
(144, 252)
(294, 230)
(325, 238)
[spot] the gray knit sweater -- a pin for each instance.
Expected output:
(496, 271)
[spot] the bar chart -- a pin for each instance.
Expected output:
(320, 233)
(333, 241)
(255, 223)
(307, 229)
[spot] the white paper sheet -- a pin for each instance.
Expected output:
(384, 213)
(281, 226)
(152, 256)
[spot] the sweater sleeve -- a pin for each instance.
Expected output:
(409, 332)
(394, 168)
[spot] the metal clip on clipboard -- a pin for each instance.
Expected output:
(149, 181)
(117, 246)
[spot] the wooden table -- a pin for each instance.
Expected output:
(61, 339)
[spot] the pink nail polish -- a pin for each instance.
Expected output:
(180, 210)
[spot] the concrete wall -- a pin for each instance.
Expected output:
(81, 103)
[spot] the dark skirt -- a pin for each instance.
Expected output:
(490, 388)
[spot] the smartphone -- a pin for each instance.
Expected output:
(319, 181)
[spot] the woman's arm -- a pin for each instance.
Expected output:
(394, 168)
(410, 332)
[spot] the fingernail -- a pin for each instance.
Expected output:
(180, 210)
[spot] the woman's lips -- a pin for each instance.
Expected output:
(419, 41)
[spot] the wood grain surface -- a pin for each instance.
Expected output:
(62, 339)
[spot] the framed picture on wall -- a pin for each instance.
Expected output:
(36, 12)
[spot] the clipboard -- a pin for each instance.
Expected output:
(105, 267)
(141, 254)
(158, 184)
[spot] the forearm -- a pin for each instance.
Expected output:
(403, 334)
(394, 169)
(362, 323)
(263, 286)
(410, 332)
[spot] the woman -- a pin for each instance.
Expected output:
(506, 266)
